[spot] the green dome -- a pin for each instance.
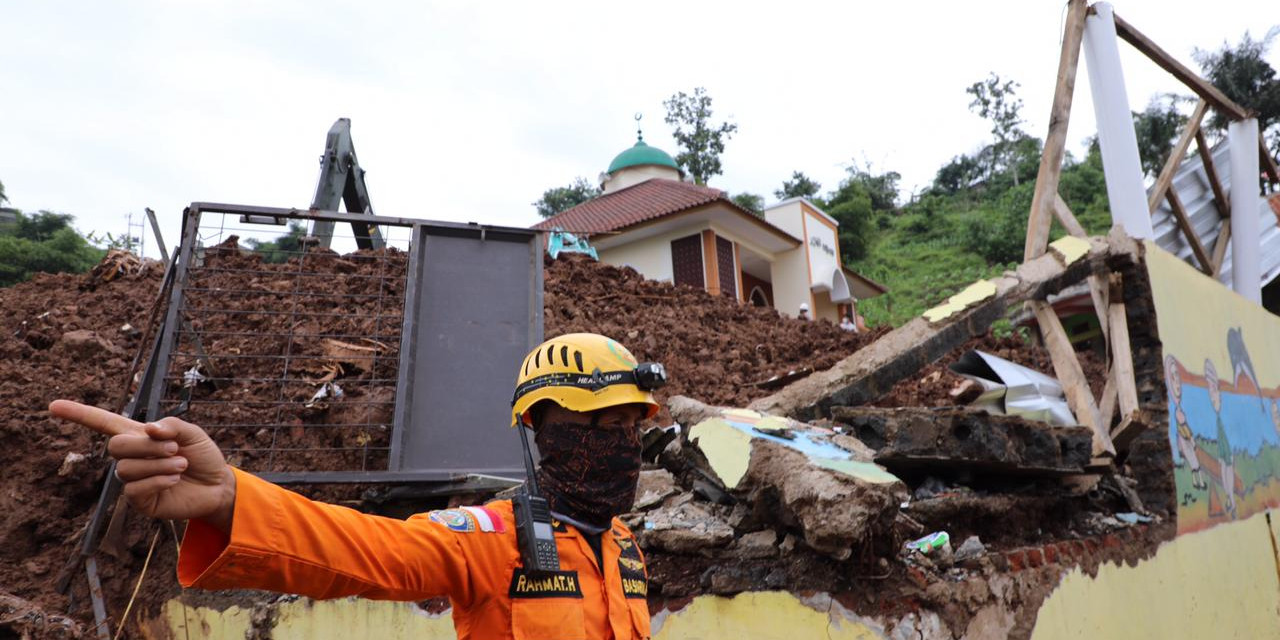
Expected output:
(642, 154)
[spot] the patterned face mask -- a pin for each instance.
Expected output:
(589, 473)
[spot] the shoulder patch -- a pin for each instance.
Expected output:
(488, 520)
(454, 519)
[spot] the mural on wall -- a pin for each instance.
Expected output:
(1222, 373)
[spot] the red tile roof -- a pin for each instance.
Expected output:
(653, 198)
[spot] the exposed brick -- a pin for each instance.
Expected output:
(1035, 558)
(1050, 553)
(1111, 541)
(1017, 560)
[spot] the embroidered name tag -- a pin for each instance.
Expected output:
(552, 584)
(631, 567)
(635, 587)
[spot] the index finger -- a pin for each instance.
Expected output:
(100, 420)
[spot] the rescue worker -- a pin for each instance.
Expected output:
(804, 311)
(583, 395)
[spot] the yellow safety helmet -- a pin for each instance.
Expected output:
(584, 372)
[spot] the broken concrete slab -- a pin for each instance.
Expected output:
(874, 369)
(920, 439)
(653, 487)
(724, 437)
(798, 479)
(688, 528)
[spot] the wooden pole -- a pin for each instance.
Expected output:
(1042, 202)
(1068, 219)
(1184, 223)
(1107, 407)
(1175, 157)
(1268, 162)
(1206, 91)
(1211, 171)
(1220, 247)
(1071, 377)
(1121, 353)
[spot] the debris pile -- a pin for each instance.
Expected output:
(731, 500)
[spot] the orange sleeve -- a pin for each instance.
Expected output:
(281, 541)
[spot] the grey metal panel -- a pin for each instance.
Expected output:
(1192, 185)
(478, 310)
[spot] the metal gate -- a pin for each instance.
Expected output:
(379, 365)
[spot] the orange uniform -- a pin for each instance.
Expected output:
(281, 541)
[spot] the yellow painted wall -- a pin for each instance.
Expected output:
(304, 619)
(761, 615)
(1219, 583)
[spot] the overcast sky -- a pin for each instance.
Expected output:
(468, 111)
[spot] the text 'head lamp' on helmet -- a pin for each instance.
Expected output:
(584, 372)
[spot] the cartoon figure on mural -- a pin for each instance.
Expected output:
(1241, 363)
(1226, 458)
(1186, 441)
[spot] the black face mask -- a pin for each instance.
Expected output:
(589, 473)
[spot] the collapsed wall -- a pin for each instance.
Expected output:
(829, 515)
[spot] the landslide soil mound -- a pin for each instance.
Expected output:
(65, 336)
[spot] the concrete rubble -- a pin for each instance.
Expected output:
(918, 439)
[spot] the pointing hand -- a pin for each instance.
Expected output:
(170, 468)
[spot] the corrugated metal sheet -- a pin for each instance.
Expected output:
(1192, 185)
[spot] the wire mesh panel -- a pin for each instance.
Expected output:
(286, 353)
(351, 365)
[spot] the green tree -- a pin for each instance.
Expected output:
(799, 186)
(959, 174)
(279, 251)
(3, 198)
(1157, 128)
(996, 101)
(43, 243)
(999, 232)
(852, 207)
(1244, 75)
(560, 199)
(751, 202)
(882, 188)
(701, 142)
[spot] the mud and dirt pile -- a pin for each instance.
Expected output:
(714, 349)
(61, 336)
(77, 337)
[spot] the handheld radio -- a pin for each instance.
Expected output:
(534, 535)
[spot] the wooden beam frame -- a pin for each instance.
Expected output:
(1220, 198)
(1175, 157)
(1071, 377)
(1220, 247)
(1121, 353)
(1107, 405)
(1096, 291)
(1184, 223)
(1202, 88)
(1042, 202)
(1268, 162)
(1067, 218)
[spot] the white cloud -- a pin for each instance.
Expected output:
(465, 111)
